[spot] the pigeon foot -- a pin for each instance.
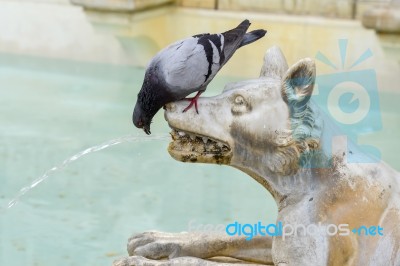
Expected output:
(193, 101)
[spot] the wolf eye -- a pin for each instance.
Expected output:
(239, 100)
(240, 105)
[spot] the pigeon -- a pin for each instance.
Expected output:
(185, 67)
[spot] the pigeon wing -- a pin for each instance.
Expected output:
(189, 65)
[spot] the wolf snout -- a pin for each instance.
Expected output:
(176, 107)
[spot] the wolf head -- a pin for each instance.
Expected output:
(268, 120)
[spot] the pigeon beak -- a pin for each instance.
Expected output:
(146, 129)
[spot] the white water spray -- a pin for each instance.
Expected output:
(75, 157)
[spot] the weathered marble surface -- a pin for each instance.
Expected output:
(262, 127)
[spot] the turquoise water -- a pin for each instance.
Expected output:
(83, 214)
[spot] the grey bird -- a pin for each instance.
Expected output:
(187, 66)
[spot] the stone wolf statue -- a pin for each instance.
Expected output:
(271, 130)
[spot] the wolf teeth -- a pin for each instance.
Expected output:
(172, 135)
(181, 135)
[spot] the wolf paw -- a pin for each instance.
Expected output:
(159, 245)
(187, 261)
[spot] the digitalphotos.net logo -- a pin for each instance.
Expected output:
(284, 230)
(351, 99)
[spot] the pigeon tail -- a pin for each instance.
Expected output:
(252, 37)
(240, 30)
(233, 38)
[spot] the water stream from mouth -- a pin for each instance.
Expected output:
(78, 155)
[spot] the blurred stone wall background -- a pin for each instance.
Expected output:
(348, 9)
(127, 32)
(120, 5)
(329, 8)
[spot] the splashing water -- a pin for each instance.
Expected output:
(75, 157)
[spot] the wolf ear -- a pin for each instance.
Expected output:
(298, 84)
(275, 64)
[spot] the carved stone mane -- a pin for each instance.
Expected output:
(304, 137)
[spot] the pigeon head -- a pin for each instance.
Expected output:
(140, 119)
(150, 99)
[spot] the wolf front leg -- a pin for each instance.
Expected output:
(182, 261)
(159, 245)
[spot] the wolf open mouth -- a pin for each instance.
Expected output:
(191, 147)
